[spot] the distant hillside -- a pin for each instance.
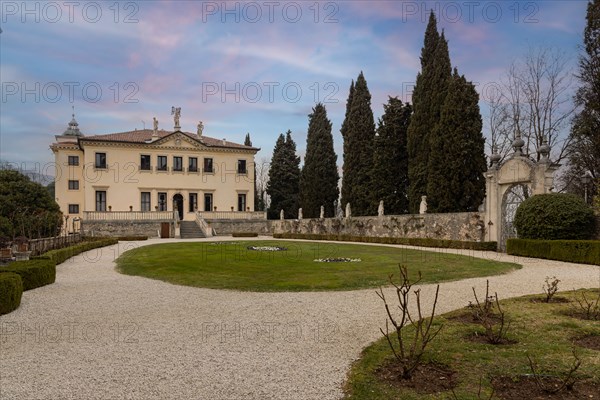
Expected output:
(39, 173)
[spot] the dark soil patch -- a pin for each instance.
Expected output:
(525, 387)
(553, 300)
(589, 341)
(426, 379)
(468, 318)
(477, 337)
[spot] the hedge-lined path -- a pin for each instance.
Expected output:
(97, 334)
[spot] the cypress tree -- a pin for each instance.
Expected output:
(428, 98)
(344, 132)
(319, 179)
(390, 159)
(358, 145)
(257, 198)
(284, 178)
(585, 132)
(457, 155)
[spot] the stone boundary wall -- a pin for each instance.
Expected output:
(150, 229)
(229, 226)
(467, 226)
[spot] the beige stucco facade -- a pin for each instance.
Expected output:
(151, 170)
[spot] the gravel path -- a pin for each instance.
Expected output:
(97, 334)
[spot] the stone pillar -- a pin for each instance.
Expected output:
(282, 215)
(322, 215)
(300, 213)
(348, 210)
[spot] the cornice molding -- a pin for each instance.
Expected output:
(156, 146)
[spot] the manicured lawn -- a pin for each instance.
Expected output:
(223, 265)
(541, 330)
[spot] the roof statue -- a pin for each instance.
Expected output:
(200, 128)
(177, 115)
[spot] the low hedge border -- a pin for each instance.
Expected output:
(37, 272)
(11, 291)
(244, 234)
(34, 273)
(575, 251)
(61, 255)
(421, 242)
(131, 238)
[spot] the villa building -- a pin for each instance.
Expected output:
(151, 171)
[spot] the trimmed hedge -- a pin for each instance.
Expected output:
(39, 271)
(11, 290)
(34, 273)
(422, 242)
(555, 216)
(131, 238)
(244, 234)
(575, 251)
(61, 255)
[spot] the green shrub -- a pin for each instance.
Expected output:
(554, 216)
(244, 234)
(34, 273)
(11, 290)
(422, 242)
(131, 238)
(576, 251)
(61, 255)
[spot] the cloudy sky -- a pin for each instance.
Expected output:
(256, 67)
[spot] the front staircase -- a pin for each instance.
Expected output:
(190, 230)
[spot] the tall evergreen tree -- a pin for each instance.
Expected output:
(284, 178)
(257, 198)
(344, 132)
(585, 133)
(358, 146)
(319, 179)
(457, 152)
(428, 97)
(390, 159)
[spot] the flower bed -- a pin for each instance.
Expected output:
(338, 259)
(266, 248)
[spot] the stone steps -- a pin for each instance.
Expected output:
(190, 230)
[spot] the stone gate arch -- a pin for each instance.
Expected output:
(511, 200)
(509, 183)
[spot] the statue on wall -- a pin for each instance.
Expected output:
(155, 123)
(200, 128)
(423, 206)
(348, 210)
(380, 209)
(300, 213)
(322, 215)
(281, 215)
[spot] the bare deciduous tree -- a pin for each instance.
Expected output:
(262, 177)
(533, 100)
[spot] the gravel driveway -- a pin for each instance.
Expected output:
(97, 334)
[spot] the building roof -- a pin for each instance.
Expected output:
(145, 136)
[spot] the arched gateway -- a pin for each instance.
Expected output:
(509, 183)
